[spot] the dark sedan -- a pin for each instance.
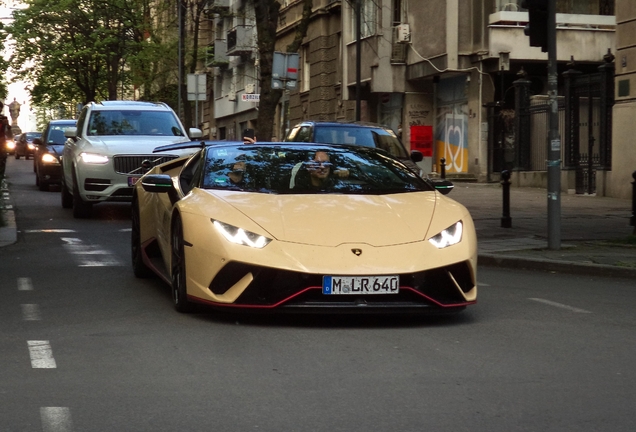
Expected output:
(47, 160)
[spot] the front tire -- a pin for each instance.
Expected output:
(81, 208)
(140, 269)
(67, 197)
(178, 273)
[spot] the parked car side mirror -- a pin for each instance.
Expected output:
(416, 156)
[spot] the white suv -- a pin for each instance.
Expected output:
(111, 147)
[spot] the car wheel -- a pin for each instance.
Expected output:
(179, 292)
(37, 179)
(67, 198)
(17, 156)
(81, 209)
(42, 185)
(140, 269)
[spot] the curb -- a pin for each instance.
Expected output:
(493, 260)
(8, 232)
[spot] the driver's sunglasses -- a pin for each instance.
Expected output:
(319, 164)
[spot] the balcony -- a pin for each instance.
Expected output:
(217, 6)
(240, 40)
(217, 54)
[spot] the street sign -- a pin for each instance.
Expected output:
(197, 89)
(250, 97)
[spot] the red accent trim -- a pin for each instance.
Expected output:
(246, 306)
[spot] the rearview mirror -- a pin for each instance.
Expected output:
(157, 183)
(443, 186)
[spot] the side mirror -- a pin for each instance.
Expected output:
(156, 183)
(195, 133)
(70, 132)
(416, 156)
(443, 186)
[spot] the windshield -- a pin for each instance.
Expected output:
(55, 133)
(281, 169)
(134, 122)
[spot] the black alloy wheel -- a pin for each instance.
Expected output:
(178, 273)
(140, 269)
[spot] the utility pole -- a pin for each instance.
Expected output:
(358, 56)
(542, 31)
(554, 140)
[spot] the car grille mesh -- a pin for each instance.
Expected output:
(131, 164)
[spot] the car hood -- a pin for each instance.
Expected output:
(56, 149)
(331, 220)
(111, 145)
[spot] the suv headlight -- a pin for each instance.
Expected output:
(450, 236)
(92, 158)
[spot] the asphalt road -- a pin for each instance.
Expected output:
(85, 346)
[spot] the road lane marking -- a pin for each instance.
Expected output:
(31, 312)
(25, 284)
(56, 419)
(560, 305)
(90, 255)
(41, 355)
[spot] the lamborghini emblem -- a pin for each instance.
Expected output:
(357, 252)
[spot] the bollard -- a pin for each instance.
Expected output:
(632, 221)
(506, 220)
(442, 168)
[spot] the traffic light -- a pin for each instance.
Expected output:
(537, 27)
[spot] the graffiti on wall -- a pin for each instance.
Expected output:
(451, 134)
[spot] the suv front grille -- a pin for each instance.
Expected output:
(131, 164)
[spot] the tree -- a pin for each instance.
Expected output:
(77, 49)
(267, 12)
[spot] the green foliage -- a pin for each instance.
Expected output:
(83, 50)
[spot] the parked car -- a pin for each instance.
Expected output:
(48, 153)
(355, 133)
(302, 227)
(111, 147)
(24, 145)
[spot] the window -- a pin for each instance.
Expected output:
(368, 19)
(306, 72)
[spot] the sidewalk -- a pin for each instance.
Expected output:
(596, 238)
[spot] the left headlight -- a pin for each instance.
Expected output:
(92, 158)
(241, 236)
(450, 236)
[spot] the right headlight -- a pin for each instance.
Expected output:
(240, 236)
(448, 237)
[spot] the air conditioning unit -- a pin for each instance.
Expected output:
(231, 96)
(249, 88)
(404, 33)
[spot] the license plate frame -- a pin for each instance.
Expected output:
(360, 285)
(133, 180)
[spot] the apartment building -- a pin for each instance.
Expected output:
(442, 74)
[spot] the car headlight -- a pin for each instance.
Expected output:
(10, 145)
(31, 146)
(48, 158)
(240, 236)
(92, 158)
(450, 236)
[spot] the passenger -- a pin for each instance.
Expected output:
(321, 174)
(237, 175)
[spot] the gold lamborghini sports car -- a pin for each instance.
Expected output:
(302, 227)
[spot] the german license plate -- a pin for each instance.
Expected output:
(360, 285)
(132, 180)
